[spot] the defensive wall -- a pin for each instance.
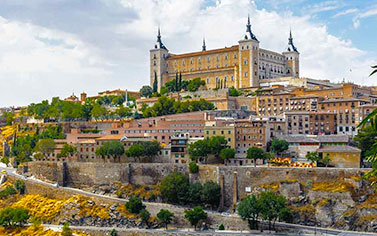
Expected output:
(236, 181)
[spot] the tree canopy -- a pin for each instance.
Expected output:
(146, 91)
(278, 146)
(113, 149)
(195, 215)
(255, 153)
(165, 216)
(168, 106)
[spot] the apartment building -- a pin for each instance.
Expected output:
(348, 113)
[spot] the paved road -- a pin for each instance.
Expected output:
(313, 230)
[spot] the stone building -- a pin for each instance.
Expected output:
(240, 66)
(315, 123)
(213, 128)
(348, 113)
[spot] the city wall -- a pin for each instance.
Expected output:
(234, 180)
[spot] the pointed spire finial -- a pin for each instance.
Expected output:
(159, 43)
(204, 48)
(291, 46)
(249, 34)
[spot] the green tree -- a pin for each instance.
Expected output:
(198, 149)
(66, 231)
(365, 139)
(9, 117)
(195, 215)
(273, 207)
(151, 148)
(255, 153)
(278, 146)
(193, 168)
(165, 216)
(20, 186)
(216, 144)
(46, 146)
(174, 187)
(211, 193)
(135, 151)
(98, 111)
(234, 92)
(146, 91)
(195, 193)
(113, 149)
(13, 216)
(249, 209)
(145, 216)
(135, 205)
(155, 83)
(221, 227)
(313, 157)
(67, 150)
(123, 111)
(8, 191)
(113, 232)
(194, 84)
(227, 153)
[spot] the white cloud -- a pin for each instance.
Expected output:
(323, 56)
(322, 7)
(371, 12)
(36, 63)
(346, 12)
(40, 62)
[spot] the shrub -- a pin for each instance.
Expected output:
(113, 233)
(195, 215)
(174, 187)
(211, 193)
(20, 186)
(145, 215)
(134, 205)
(13, 216)
(165, 216)
(193, 168)
(66, 230)
(8, 191)
(195, 192)
(221, 227)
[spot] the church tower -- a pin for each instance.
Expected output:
(292, 57)
(158, 64)
(248, 59)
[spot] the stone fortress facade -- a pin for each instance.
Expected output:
(239, 66)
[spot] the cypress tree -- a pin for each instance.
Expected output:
(180, 80)
(176, 82)
(155, 82)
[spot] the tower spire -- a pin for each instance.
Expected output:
(159, 43)
(249, 34)
(291, 46)
(204, 48)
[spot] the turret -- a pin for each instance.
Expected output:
(158, 64)
(292, 57)
(248, 59)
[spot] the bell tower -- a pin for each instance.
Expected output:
(292, 57)
(248, 59)
(158, 64)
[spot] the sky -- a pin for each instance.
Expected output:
(56, 48)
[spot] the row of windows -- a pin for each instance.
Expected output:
(163, 131)
(221, 132)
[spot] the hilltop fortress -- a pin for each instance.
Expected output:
(239, 66)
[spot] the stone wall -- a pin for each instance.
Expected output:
(83, 174)
(255, 176)
(235, 178)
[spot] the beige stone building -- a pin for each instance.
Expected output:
(213, 128)
(240, 66)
